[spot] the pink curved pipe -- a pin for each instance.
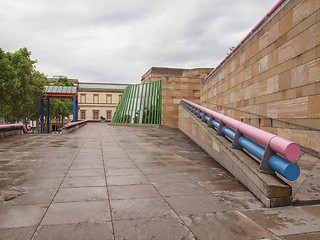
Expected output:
(259, 23)
(273, 9)
(69, 124)
(246, 37)
(17, 125)
(288, 149)
(230, 53)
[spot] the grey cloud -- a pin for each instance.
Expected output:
(118, 40)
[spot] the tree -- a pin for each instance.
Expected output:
(21, 86)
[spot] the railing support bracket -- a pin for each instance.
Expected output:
(235, 143)
(219, 132)
(264, 165)
(210, 122)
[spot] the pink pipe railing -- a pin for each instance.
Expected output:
(17, 125)
(288, 149)
(70, 124)
(273, 9)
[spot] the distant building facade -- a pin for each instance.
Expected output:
(97, 100)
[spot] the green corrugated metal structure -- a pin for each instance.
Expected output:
(140, 104)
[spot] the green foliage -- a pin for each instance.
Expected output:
(148, 114)
(127, 119)
(21, 86)
(230, 49)
(61, 108)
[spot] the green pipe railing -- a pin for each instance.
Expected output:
(140, 104)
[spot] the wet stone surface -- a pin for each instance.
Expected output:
(119, 182)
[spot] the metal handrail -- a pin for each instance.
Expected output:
(254, 29)
(237, 131)
(71, 123)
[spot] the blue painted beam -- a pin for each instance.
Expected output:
(287, 169)
(229, 132)
(42, 114)
(48, 116)
(75, 109)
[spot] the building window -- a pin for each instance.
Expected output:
(83, 114)
(109, 98)
(120, 96)
(82, 98)
(95, 114)
(95, 98)
(108, 114)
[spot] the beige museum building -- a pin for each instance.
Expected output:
(97, 100)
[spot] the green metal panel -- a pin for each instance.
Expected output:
(118, 115)
(140, 104)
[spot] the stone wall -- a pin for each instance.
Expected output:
(176, 84)
(273, 80)
(173, 90)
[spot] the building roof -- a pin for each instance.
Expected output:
(61, 89)
(109, 86)
(174, 72)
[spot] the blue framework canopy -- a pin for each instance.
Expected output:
(61, 91)
(58, 92)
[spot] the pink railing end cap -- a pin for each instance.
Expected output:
(293, 151)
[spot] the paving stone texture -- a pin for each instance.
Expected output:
(120, 182)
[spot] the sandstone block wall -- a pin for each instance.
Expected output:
(176, 84)
(173, 90)
(273, 80)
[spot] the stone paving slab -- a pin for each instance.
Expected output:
(226, 225)
(287, 221)
(86, 231)
(120, 182)
(81, 194)
(77, 212)
(166, 228)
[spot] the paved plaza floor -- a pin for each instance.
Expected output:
(120, 182)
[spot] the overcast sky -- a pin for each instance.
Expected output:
(117, 41)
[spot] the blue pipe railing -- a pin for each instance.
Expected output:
(270, 160)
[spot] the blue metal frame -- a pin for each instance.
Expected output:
(75, 113)
(75, 109)
(42, 114)
(48, 116)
